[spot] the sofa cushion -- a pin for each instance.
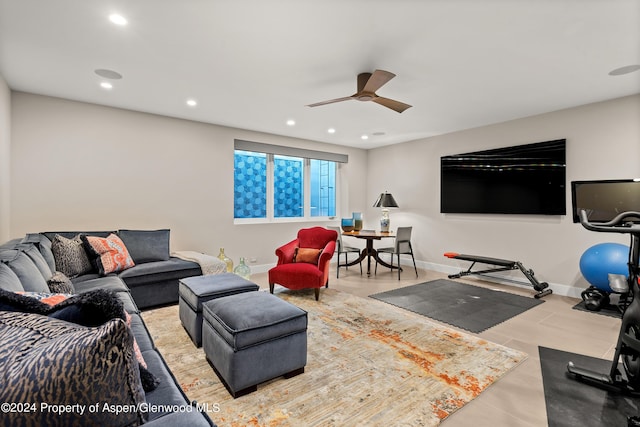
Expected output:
(29, 275)
(109, 254)
(54, 362)
(141, 333)
(146, 245)
(11, 244)
(150, 272)
(43, 244)
(32, 252)
(70, 255)
(8, 279)
(71, 234)
(111, 283)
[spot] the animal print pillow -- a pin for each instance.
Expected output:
(60, 363)
(60, 284)
(71, 258)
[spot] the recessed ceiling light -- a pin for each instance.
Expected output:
(106, 85)
(108, 74)
(118, 19)
(192, 102)
(624, 70)
(291, 122)
(364, 137)
(331, 130)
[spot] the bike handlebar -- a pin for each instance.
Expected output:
(616, 225)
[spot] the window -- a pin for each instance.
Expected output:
(323, 187)
(270, 184)
(288, 187)
(250, 185)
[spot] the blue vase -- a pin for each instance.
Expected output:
(347, 224)
(357, 221)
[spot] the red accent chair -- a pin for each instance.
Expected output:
(303, 273)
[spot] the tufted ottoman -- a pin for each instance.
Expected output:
(194, 291)
(253, 337)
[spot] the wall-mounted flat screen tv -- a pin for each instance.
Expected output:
(604, 199)
(523, 179)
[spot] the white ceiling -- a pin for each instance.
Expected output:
(254, 64)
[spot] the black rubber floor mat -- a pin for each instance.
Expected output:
(608, 310)
(573, 403)
(468, 307)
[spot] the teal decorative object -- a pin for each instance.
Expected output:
(347, 224)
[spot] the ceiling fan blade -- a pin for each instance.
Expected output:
(331, 101)
(377, 80)
(391, 103)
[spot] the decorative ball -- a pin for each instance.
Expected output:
(597, 262)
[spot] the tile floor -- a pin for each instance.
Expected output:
(518, 398)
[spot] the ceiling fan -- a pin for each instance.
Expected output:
(367, 85)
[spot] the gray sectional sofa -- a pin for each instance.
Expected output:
(29, 268)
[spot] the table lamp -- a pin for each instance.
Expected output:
(385, 201)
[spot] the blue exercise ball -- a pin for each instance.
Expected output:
(597, 262)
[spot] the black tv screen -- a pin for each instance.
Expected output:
(604, 199)
(523, 179)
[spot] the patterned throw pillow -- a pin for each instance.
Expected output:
(110, 253)
(57, 362)
(308, 255)
(49, 300)
(60, 284)
(70, 256)
(92, 308)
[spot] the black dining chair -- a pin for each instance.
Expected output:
(342, 249)
(402, 246)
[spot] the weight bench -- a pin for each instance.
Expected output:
(500, 265)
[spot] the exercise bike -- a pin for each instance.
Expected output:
(628, 345)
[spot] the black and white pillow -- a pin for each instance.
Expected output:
(70, 255)
(59, 283)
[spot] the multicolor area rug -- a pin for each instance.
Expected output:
(369, 363)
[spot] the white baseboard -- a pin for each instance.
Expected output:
(520, 282)
(558, 288)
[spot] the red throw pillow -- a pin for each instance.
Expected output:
(308, 255)
(110, 253)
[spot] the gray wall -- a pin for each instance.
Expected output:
(603, 142)
(78, 166)
(5, 159)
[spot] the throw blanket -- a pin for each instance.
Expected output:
(209, 264)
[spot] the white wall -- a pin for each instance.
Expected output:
(5, 159)
(82, 166)
(78, 166)
(603, 142)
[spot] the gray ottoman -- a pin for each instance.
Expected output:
(253, 337)
(193, 291)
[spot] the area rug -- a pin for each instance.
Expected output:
(368, 363)
(572, 403)
(468, 307)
